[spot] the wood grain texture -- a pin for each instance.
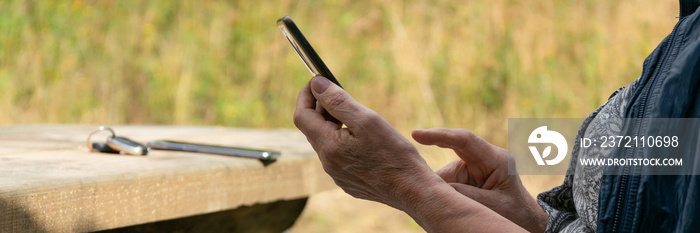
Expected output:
(50, 182)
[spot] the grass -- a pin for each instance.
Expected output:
(419, 63)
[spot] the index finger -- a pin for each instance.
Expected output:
(470, 147)
(339, 104)
(309, 121)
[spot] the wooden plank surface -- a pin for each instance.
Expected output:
(50, 182)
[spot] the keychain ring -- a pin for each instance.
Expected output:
(101, 128)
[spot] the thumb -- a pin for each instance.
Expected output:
(475, 193)
(454, 172)
(336, 101)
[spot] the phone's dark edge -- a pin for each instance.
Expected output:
(305, 45)
(215, 149)
(219, 146)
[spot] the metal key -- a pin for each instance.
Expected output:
(116, 144)
(127, 146)
(103, 147)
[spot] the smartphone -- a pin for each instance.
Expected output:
(215, 149)
(307, 54)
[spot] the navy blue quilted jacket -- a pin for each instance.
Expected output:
(669, 88)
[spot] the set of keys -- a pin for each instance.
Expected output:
(115, 144)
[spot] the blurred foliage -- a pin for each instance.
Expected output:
(419, 63)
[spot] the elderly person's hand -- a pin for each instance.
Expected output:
(481, 173)
(371, 160)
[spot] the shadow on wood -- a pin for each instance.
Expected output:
(13, 218)
(274, 217)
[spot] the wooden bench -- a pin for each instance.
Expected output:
(50, 182)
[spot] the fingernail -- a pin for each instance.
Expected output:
(320, 84)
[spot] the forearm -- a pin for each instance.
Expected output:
(437, 207)
(532, 216)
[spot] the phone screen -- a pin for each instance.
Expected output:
(302, 47)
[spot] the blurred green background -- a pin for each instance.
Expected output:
(418, 63)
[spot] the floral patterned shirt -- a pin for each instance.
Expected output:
(573, 206)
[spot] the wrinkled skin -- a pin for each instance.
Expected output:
(369, 159)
